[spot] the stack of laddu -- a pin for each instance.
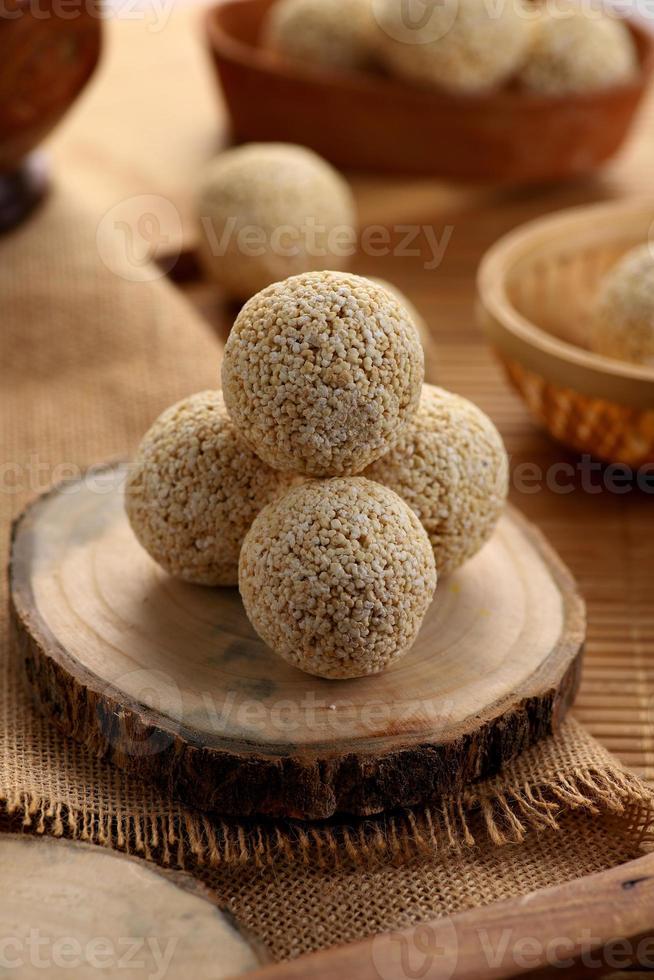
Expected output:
(326, 479)
(550, 47)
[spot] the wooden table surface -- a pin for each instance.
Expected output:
(151, 118)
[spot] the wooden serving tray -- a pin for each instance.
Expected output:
(171, 682)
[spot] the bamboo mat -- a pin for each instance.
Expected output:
(150, 143)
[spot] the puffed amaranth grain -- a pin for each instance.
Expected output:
(322, 373)
(623, 325)
(451, 468)
(194, 489)
(336, 577)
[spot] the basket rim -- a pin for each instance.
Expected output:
(522, 339)
(227, 47)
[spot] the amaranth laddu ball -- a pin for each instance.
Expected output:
(194, 488)
(337, 576)
(322, 373)
(623, 324)
(451, 468)
(577, 50)
(466, 46)
(267, 211)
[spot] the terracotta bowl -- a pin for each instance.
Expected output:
(537, 287)
(48, 57)
(378, 124)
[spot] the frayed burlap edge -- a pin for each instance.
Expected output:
(501, 815)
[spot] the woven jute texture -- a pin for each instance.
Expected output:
(91, 351)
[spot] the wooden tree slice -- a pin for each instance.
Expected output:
(74, 910)
(171, 682)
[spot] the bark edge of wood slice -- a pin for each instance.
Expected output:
(170, 682)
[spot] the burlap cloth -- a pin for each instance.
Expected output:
(89, 358)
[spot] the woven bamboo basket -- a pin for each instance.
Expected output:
(537, 287)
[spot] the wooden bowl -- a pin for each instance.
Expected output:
(48, 58)
(378, 124)
(537, 287)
